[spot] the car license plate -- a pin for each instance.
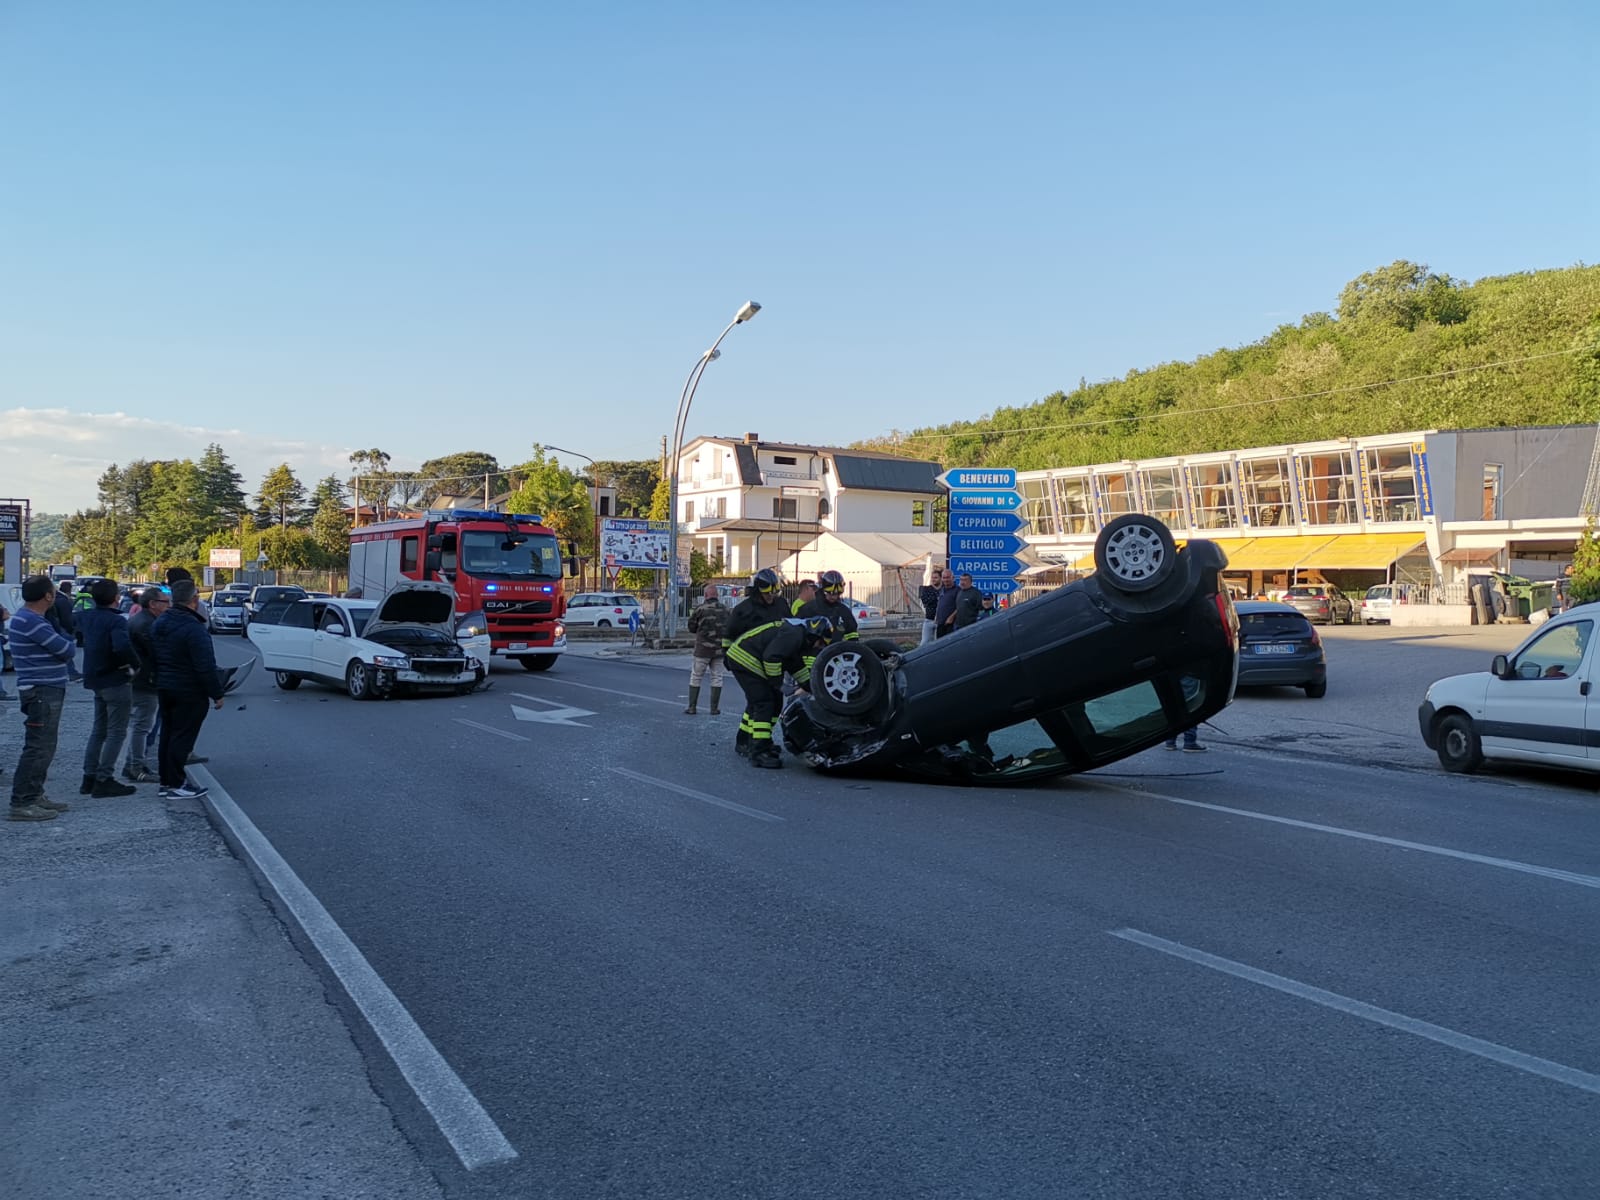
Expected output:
(1275, 648)
(518, 646)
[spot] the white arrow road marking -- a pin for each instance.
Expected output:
(560, 714)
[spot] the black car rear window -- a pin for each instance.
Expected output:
(1273, 625)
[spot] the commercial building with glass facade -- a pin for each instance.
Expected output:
(1421, 507)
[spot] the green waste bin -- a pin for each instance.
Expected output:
(1526, 596)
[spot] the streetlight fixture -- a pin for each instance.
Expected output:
(669, 618)
(594, 480)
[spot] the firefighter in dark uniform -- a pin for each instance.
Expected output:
(759, 657)
(763, 603)
(829, 602)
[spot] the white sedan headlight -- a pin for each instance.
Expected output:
(396, 661)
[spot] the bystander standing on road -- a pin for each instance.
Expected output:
(928, 596)
(5, 653)
(707, 623)
(186, 681)
(808, 593)
(142, 717)
(108, 662)
(986, 609)
(944, 613)
(41, 656)
(60, 614)
(969, 602)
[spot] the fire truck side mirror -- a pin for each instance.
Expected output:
(572, 559)
(436, 541)
(433, 560)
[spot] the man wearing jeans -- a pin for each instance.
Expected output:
(108, 659)
(187, 682)
(152, 603)
(41, 657)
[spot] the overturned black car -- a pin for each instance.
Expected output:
(1073, 680)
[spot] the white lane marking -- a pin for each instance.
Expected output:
(1504, 864)
(561, 714)
(595, 688)
(704, 797)
(513, 737)
(1493, 1051)
(472, 1133)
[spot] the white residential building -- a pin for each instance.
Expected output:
(753, 504)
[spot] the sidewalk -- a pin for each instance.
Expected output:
(160, 1034)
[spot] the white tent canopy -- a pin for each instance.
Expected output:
(885, 569)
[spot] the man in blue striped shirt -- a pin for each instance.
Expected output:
(41, 657)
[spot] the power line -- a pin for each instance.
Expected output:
(1215, 408)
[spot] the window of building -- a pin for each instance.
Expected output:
(1328, 488)
(823, 507)
(1493, 475)
(784, 508)
(785, 460)
(1391, 484)
(408, 554)
(1268, 492)
(919, 514)
(1116, 493)
(605, 506)
(688, 511)
(1038, 506)
(1163, 495)
(1211, 496)
(1073, 504)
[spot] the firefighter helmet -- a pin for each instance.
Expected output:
(819, 628)
(831, 581)
(765, 580)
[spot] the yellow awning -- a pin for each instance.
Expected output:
(1276, 553)
(1362, 551)
(1230, 547)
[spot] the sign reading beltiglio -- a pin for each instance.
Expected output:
(10, 523)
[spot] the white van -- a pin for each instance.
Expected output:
(1539, 704)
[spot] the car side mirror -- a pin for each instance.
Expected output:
(1500, 668)
(433, 561)
(335, 630)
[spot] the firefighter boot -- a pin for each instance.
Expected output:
(694, 698)
(741, 743)
(768, 757)
(716, 702)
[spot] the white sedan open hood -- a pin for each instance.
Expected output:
(412, 603)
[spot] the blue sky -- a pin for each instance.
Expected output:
(302, 228)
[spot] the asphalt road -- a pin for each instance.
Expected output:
(1289, 967)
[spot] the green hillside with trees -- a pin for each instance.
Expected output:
(1406, 348)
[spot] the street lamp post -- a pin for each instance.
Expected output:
(670, 617)
(594, 481)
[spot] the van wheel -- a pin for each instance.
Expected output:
(286, 681)
(1460, 749)
(1317, 690)
(1135, 552)
(358, 681)
(602, 624)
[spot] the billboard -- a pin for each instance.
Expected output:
(10, 522)
(225, 558)
(632, 543)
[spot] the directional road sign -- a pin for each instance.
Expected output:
(985, 566)
(985, 543)
(991, 501)
(985, 522)
(995, 585)
(970, 478)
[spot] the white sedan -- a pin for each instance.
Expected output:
(408, 641)
(868, 616)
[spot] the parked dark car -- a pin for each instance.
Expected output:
(1278, 646)
(1321, 603)
(266, 594)
(1073, 680)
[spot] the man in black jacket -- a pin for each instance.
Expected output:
(759, 658)
(152, 603)
(108, 659)
(186, 682)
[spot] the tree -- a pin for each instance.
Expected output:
(634, 481)
(661, 501)
(330, 528)
(283, 494)
(91, 535)
(46, 543)
(372, 483)
(556, 494)
(222, 487)
(174, 518)
(1585, 584)
(459, 474)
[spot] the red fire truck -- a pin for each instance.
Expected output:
(505, 566)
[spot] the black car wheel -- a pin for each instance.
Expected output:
(848, 679)
(1134, 553)
(286, 681)
(1460, 750)
(1317, 690)
(602, 624)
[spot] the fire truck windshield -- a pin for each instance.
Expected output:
(507, 554)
